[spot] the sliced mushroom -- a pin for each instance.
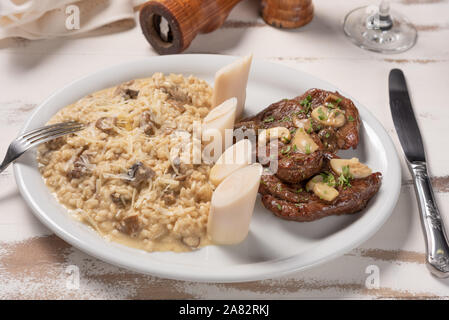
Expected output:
(107, 124)
(191, 241)
(126, 92)
(175, 93)
(148, 124)
(139, 174)
(130, 94)
(130, 225)
(119, 90)
(80, 167)
(120, 199)
(168, 198)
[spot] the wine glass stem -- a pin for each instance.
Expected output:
(384, 8)
(381, 20)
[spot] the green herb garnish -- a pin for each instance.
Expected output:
(306, 103)
(308, 148)
(328, 178)
(345, 177)
(269, 119)
(286, 150)
(330, 106)
(350, 118)
(321, 115)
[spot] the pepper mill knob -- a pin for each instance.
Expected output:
(287, 14)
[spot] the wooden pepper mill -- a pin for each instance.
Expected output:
(287, 14)
(171, 25)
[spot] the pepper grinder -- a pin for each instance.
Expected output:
(287, 14)
(171, 25)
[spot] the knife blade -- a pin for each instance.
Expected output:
(404, 117)
(437, 245)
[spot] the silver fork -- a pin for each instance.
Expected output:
(35, 137)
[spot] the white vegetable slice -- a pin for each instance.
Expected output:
(232, 205)
(217, 121)
(230, 81)
(235, 157)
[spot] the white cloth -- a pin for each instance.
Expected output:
(41, 19)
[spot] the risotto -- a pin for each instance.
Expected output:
(124, 174)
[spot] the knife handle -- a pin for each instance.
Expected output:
(437, 247)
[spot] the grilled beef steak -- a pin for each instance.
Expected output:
(332, 122)
(309, 207)
(295, 202)
(287, 112)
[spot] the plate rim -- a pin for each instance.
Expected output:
(287, 264)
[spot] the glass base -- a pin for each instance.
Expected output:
(360, 27)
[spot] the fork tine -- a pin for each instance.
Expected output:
(54, 135)
(46, 132)
(49, 127)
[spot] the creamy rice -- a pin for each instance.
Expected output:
(93, 172)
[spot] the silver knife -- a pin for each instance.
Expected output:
(437, 248)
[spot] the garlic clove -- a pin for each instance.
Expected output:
(303, 142)
(306, 124)
(235, 157)
(230, 81)
(312, 182)
(232, 205)
(329, 116)
(357, 169)
(216, 123)
(274, 133)
(324, 191)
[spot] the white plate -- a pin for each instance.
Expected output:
(274, 247)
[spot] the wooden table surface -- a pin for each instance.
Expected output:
(34, 263)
